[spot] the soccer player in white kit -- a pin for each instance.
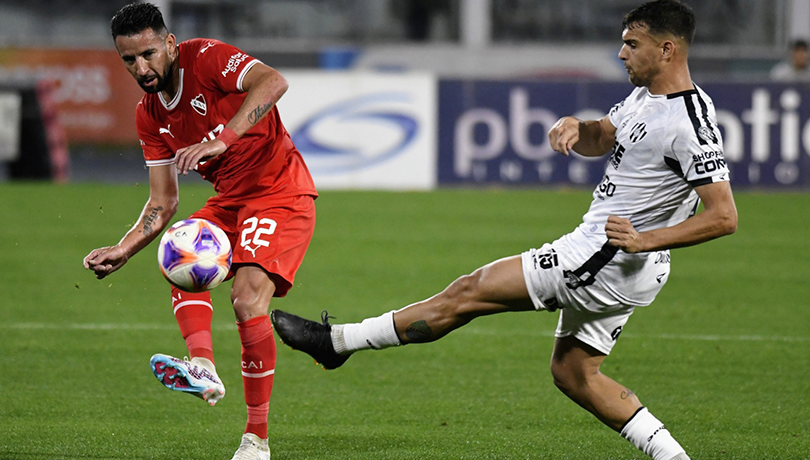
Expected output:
(666, 155)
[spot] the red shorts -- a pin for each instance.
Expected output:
(272, 233)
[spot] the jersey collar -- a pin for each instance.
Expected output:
(176, 100)
(682, 93)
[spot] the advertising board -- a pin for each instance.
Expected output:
(94, 95)
(496, 131)
(364, 130)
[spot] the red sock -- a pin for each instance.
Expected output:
(193, 311)
(258, 366)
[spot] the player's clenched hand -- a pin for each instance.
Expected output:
(564, 134)
(620, 233)
(106, 260)
(187, 158)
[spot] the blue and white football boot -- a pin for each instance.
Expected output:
(197, 377)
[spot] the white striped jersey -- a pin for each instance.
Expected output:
(665, 146)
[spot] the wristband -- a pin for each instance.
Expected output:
(228, 137)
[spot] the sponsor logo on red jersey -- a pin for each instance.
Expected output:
(233, 63)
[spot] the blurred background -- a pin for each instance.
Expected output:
(481, 80)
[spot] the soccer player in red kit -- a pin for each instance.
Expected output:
(209, 107)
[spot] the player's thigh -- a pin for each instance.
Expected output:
(275, 236)
(501, 285)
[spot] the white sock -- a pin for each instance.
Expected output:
(376, 333)
(651, 437)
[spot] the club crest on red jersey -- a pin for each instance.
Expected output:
(198, 104)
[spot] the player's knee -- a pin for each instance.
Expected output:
(460, 295)
(249, 301)
(568, 377)
(463, 287)
(244, 302)
(563, 377)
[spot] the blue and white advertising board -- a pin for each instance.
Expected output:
(495, 132)
(364, 130)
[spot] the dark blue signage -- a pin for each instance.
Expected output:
(496, 131)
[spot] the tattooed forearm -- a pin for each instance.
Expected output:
(419, 331)
(626, 394)
(258, 113)
(149, 220)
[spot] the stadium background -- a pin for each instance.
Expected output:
(474, 84)
(424, 123)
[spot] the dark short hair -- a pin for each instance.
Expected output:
(135, 18)
(800, 43)
(664, 16)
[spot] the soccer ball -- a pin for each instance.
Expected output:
(194, 255)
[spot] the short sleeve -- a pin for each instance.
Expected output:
(220, 66)
(697, 148)
(155, 152)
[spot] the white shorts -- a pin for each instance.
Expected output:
(589, 313)
(599, 330)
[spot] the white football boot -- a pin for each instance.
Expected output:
(252, 448)
(197, 377)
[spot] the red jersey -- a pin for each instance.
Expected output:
(263, 161)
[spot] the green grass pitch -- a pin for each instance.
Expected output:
(722, 356)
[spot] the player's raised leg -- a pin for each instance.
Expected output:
(193, 312)
(197, 376)
(494, 288)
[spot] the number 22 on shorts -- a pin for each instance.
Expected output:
(258, 228)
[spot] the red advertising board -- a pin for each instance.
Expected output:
(94, 95)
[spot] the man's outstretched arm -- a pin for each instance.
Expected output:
(156, 214)
(718, 218)
(590, 138)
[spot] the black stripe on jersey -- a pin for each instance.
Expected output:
(682, 93)
(693, 117)
(705, 110)
(674, 166)
(585, 275)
